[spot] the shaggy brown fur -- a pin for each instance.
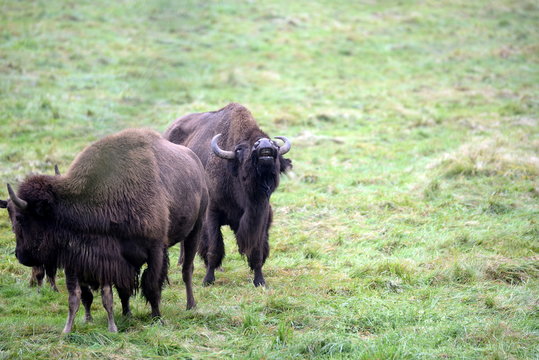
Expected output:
(123, 201)
(240, 188)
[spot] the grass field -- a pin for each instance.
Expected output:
(409, 228)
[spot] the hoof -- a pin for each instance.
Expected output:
(208, 280)
(259, 282)
(191, 306)
(113, 328)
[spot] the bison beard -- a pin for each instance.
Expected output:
(123, 202)
(243, 167)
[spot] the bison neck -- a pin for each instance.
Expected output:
(264, 182)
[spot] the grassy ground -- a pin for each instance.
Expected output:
(409, 227)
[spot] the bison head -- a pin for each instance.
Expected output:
(257, 163)
(31, 216)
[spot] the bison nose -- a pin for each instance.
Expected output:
(266, 149)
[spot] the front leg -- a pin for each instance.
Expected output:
(74, 291)
(252, 237)
(125, 294)
(106, 296)
(87, 298)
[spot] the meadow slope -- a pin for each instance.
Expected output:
(409, 227)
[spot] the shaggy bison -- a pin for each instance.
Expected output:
(242, 166)
(123, 201)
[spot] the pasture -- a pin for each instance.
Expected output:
(409, 226)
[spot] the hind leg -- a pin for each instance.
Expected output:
(189, 250)
(182, 254)
(87, 298)
(154, 277)
(213, 247)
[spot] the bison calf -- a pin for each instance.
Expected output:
(124, 200)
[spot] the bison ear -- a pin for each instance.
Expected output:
(3, 204)
(286, 164)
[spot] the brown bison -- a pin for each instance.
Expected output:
(123, 201)
(243, 166)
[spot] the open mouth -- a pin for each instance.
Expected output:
(266, 152)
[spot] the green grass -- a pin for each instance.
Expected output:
(409, 226)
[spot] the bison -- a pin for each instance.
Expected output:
(243, 166)
(124, 200)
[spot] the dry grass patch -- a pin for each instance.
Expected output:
(513, 272)
(488, 157)
(481, 268)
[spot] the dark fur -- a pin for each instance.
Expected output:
(123, 201)
(39, 271)
(240, 189)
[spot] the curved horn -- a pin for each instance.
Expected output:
(56, 170)
(220, 152)
(20, 203)
(286, 146)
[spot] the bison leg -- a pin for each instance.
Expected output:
(87, 298)
(256, 247)
(212, 248)
(258, 257)
(106, 296)
(255, 263)
(74, 291)
(189, 252)
(182, 255)
(50, 270)
(154, 277)
(38, 273)
(125, 294)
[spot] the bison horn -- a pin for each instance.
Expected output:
(286, 146)
(56, 170)
(220, 152)
(20, 203)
